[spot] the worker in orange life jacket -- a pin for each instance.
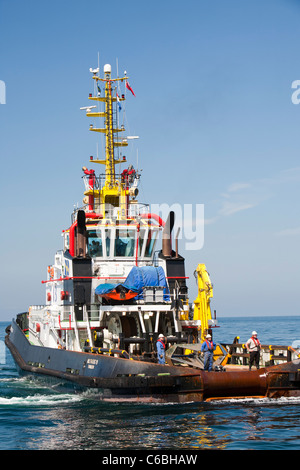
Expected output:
(253, 347)
(208, 347)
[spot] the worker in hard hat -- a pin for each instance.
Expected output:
(208, 347)
(253, 347)
(161, 349)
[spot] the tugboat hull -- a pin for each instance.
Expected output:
(120, 379)
(115, 379)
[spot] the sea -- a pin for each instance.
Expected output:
(35, 416)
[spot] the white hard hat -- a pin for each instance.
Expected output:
(161, 336)
(208, 336)
(254, 333)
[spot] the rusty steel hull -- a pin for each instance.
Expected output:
(118, 379)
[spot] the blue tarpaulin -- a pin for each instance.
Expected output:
(137, 279)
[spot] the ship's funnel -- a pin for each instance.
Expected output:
(166, 235)
(81, 235)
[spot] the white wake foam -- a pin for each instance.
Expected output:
(260, 401)
(41, 400)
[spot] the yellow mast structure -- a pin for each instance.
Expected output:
(113, 192)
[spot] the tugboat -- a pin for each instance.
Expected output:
(113, 291)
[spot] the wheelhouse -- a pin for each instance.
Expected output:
(108, 240)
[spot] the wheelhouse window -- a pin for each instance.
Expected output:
(141, 241)
(107, 241)
(94, 243)
(150, 243)
(124, 242)
(147, 239)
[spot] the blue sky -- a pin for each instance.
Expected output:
(217, 126)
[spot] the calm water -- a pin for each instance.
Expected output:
(34, 416)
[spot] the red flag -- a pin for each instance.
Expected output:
(129, 88)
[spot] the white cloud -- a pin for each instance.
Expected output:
(210, 221)
(240, 196)
(238, 186)
(229, 208)
(289, 232)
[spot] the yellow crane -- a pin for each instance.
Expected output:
(202, 309)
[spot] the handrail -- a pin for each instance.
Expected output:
(35, 336)
(234, 354)
(95, 350)
(60, 326)
(68, 278)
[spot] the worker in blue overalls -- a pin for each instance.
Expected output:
(161, 346)
(208, 347)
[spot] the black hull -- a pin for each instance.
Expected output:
(120, 379)
(116, 379)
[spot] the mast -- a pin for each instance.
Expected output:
(114, 192)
